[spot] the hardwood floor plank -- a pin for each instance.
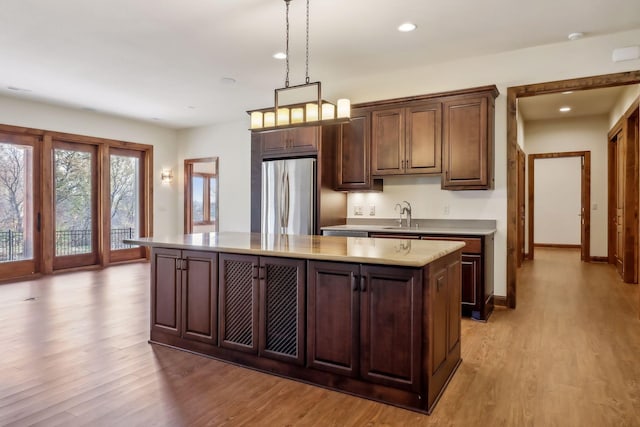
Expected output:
(78, 355)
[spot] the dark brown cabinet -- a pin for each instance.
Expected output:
(364, 321)
(407, 140)
(467, 144)
(262, 306)
(301, 140)
(477, 271)
(184, 294)
(354, 154)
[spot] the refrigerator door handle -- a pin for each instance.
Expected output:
(285, 213)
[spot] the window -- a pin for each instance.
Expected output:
(205, 198)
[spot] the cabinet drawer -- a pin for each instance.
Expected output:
(473, 244)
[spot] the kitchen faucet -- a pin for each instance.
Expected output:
(404, 210)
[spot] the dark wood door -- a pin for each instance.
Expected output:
(388, 142)
(423, 139)
(521, 207)
(390, 318)
(282, 309)
(333, 321)
(238, 319)
(471, 276)
(353, 159)
(199, 296)
(465, 144)
(165, 290)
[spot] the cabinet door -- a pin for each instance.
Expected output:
(465, 144)
(165, 290)
(199, 296)
(353, 159)
(391, 329)
(333, 305)
(439, 317)
(471, 276)
(423, 139)
(302, 140)
(282, 309)
(272, 142)
(388, 142)
(238, 319)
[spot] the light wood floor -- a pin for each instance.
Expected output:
(77, 355)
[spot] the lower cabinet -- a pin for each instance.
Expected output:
(184, 294)
(387, 333)
(262, 306)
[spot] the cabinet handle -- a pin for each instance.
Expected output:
(185, 264)
(255, 272)
(439, 283)
(354, 283)
(178, 264)
(261, 272)
(363, 284)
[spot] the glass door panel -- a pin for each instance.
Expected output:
(75, 240)
(126, 201)
(19, 239)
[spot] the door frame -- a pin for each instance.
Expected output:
(522, 164)
(585, 199)
(513, 93)
(188, 190)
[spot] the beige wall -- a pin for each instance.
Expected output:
(578, 134)
(60, 119)
(630, 94)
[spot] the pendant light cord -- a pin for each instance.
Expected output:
(307, 53)
(286, 81)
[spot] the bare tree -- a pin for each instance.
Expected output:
(12, 186)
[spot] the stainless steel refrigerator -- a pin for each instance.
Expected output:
(288, 196)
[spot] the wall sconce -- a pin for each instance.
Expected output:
(166, 176)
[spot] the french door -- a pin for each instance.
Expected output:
(19, 205)
(75, 208)
(126, 197)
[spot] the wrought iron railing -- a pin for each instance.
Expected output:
(67, 242)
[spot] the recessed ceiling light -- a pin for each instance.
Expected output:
(565, 109)
(567, 92)
(575, 36)
(406, 27)
(280, 55)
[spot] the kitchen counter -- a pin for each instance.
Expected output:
(421, 226)
(407, 253)
(376, 318)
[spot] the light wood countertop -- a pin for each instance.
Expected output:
(400, 252)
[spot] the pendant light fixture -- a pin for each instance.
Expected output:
(310, 113)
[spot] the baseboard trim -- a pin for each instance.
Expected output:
(556, 245)
(600, 259)
(500, 300)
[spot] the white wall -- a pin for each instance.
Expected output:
(36, 115)
(578, 134)
(630, 94)
(586, 57)
(557, 200)
(230, 142)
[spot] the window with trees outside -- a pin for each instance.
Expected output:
(201, 195)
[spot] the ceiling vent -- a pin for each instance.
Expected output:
(626, 53)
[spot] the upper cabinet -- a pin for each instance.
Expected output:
(354, 154)
(300, 140)
(407, 140)
(467, 142)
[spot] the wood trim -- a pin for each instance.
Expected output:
(600, 259)
(491, 89)
(556, 245)
(585, 200)
(500, 300)
(513, 93)
(47, 227)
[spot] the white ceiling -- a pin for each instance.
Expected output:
(164, 60)
(582, 103)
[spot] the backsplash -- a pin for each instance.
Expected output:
(427, 200)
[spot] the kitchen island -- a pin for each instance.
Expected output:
(377, 318)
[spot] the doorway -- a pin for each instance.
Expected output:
(513, 93)
(583, 205)
(201, 195)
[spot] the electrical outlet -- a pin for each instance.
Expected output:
(372, 210)
(446, 210)
(357, 210)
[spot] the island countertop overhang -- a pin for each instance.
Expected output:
(398, 252)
